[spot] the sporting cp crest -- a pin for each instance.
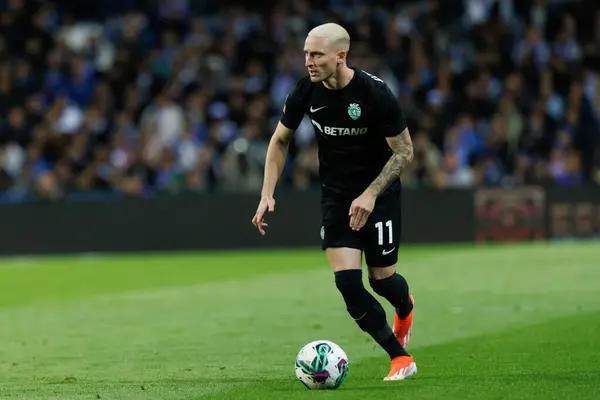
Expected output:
(322, 233)
(354, 111)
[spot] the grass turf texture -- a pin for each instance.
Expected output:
(496, 322)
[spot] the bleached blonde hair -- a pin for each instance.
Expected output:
(335, 34)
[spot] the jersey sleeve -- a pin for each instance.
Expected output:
(294, 107)
(391, 117)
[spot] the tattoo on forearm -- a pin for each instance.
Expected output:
(403, 154)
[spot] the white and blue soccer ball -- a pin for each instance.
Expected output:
(322, 365)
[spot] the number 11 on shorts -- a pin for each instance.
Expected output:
(379, 226)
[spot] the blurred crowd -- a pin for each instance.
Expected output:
(141, 97)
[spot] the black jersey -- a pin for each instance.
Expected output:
(351, 125)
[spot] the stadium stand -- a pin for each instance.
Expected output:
(147, 97)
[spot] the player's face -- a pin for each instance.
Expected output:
(320, 58)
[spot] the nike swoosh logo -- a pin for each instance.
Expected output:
(386, 252)
(313, 110)
(359, 318)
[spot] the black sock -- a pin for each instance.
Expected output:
(393, 347)
(367, 311)
(395, 290)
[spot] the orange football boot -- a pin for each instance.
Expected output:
(402, 368)
(403, 327)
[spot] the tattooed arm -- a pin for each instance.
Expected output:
(402, 147)
(361, 208)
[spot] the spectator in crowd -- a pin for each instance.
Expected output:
(139, 97)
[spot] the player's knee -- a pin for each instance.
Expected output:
(355, 295)
(349, 283)
(381, 273)
(385, 286)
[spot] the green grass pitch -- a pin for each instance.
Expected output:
(492, 322)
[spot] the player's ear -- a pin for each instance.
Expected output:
(341, 56)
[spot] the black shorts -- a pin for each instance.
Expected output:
(379, 239)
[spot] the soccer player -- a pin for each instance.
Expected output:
(364, 145)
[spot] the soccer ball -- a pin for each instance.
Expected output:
(322, 364)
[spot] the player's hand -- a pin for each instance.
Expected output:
(360, 209)
(267, 203)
